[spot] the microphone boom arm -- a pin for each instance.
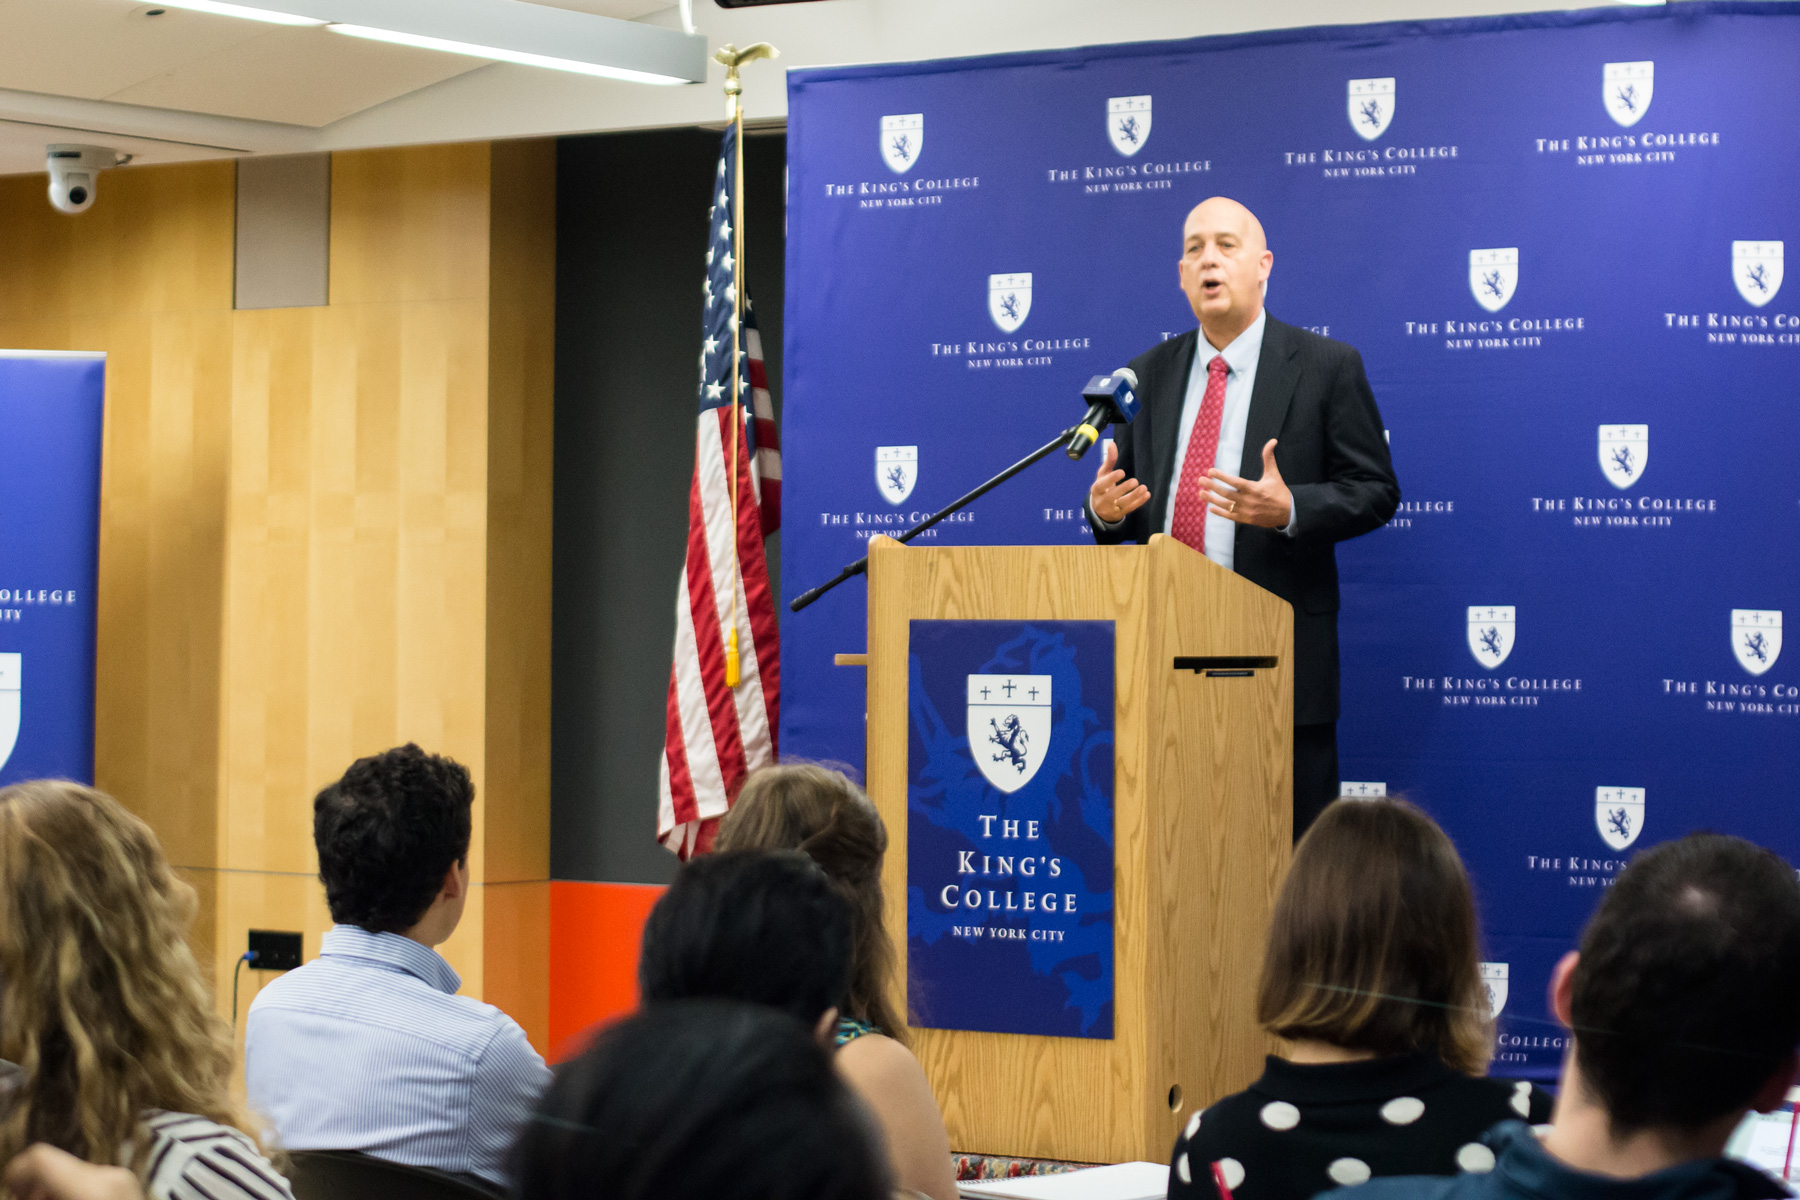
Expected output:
(862, 564)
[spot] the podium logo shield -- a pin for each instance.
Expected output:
(12, 671)
(1756, 269)
(1128, 123)
(1009, 727)
(1624, 452)
(1756, 638)
(1494, 978)
(1371, 106)
(1490, 634)
(1619, 815)
(1009, 300)
(896, 471)
(1494, 276)
(902, 137)
(1626, 87)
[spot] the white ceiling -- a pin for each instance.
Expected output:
(189, 85)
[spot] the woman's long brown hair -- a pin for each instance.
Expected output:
(813, 809)
(1374, 944)
(101, 1002)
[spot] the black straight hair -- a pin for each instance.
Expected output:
(763, 926)
(700, 1100)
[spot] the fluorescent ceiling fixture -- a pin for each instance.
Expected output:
(523, 58)
(1643, 3)
(219, 9)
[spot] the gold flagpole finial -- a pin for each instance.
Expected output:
(732, 58)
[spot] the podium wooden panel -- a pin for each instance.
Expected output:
(1202, 835)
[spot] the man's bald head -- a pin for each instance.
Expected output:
(1224, 260)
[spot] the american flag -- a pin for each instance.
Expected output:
(717, 734)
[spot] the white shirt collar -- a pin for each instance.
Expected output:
(1243, 352)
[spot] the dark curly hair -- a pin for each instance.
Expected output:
(387, 832)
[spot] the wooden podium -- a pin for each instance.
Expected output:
(1202, 827)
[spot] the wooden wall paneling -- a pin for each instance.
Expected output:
(520, 432)
(297, 528)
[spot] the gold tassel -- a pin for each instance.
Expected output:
(731, 659)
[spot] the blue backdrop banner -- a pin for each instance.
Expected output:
(1009, 862)
(1557, 241)
(50, 425)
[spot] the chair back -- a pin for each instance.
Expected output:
(352, 1175)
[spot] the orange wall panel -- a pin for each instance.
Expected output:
(595, 929)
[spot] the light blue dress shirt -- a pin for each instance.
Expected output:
(1241, 357)
(368, 1047)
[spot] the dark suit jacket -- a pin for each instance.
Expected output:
(1312, 395)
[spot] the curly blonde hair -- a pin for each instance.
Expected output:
(102, 1003)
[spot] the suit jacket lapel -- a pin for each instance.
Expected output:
(1165, 426)
(1277, 375)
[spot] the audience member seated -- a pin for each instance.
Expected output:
(1683, 1018)
(121, 1060)
(1372, 976)
(755, 926)
(701, 1100)
(368, 1047)
(822, 814)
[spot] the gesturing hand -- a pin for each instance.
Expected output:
(1113, 496)
(1266, 501)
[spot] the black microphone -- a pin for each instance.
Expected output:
(1111, 399)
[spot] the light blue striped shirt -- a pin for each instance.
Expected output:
(368, 1047)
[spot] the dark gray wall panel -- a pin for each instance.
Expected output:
(631, 236)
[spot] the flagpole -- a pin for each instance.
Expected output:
(733, 58)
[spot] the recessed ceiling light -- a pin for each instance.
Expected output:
(220, 9)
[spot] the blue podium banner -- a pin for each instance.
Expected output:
(50, 430)
(1558, 241)
(1009, 856)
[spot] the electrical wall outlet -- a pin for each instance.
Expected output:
(274, 950)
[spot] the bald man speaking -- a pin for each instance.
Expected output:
(1259, 445)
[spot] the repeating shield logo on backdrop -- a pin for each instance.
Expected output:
(896, 470)
(1624, 449)
(1490, 633)
(1009, 300)
(1494, 979)
(1009, 727)
(1756, 638)
(1128, 123)
(1756, 269)
(1371, 106)
(1619, 814)
(902, 137)
(1494, 276)
(12, 669)
(1626, 88)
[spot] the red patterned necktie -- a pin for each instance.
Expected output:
(1203, 447)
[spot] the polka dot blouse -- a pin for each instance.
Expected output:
(1305, 1128)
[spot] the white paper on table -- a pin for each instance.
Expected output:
(1121, 1181)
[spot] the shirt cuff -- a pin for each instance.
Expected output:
(1291, 528)
(1101, 521)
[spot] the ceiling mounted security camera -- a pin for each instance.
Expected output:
(75, 173)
